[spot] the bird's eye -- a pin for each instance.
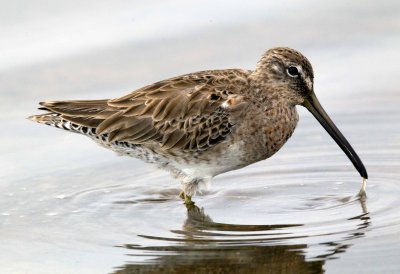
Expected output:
(293, 71)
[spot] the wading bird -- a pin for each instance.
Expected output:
(202, 124)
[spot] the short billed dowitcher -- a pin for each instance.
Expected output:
(202, 124)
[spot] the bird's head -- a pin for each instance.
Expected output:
(287, 71)
(290, 76)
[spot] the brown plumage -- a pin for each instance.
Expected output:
(201, 124)
(182, 112)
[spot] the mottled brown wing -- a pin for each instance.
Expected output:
(190, 112)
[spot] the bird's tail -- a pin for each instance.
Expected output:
(76, 116)
(50, 119)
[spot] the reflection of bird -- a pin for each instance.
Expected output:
(202, 124)
(205, 246)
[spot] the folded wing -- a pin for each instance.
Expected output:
(190, 112)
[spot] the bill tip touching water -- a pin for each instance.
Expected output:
(362, 193)
(202, 124)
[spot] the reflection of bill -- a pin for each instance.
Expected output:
(327, 245)
(204, 246)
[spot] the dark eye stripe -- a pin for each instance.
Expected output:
(293, 71)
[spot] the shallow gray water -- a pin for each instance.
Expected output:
(69, 206)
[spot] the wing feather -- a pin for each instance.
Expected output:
(189, 112)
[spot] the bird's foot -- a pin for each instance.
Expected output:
(186, 198)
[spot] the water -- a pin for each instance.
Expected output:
(69, 206)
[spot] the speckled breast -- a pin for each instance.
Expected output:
(280, 126)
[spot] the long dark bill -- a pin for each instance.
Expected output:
(313, 105)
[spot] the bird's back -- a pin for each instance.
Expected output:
(184, 113)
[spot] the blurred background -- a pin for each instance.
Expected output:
(68, 206)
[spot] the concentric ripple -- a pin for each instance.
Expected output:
(299, 214)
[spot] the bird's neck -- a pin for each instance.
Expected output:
(269, 93)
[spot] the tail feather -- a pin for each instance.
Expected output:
(51, 119)
(74, 115)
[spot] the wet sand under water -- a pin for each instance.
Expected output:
(69, 206)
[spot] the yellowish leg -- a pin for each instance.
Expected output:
(186, 198)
